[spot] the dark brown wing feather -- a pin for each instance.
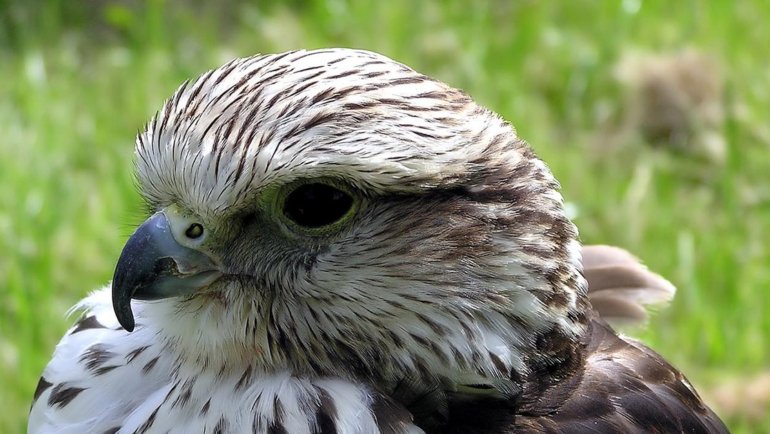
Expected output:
(391, 416)
(623, 387)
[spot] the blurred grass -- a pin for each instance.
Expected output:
(78, 79)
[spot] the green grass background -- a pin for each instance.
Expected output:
(78, 79)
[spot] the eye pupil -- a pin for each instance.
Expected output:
(315, 205)
(194, 231)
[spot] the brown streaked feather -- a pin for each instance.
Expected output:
(623, 387)
(620, 287)
(391, 417)
(626, 387)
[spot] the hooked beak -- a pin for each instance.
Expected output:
(154, 265)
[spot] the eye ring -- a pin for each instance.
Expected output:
(317, 206)
(194, 231)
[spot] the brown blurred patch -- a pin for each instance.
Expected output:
(674, 100)
(745, 398)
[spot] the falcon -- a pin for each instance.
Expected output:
(339, 244)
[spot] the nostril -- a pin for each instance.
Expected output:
(194, 231)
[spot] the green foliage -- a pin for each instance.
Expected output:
(78, 79)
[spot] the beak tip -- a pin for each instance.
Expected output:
(126, 321)
(121, 305)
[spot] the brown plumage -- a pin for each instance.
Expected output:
(620, 387)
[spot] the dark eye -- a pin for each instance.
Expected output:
(194, 231)
(314, 205)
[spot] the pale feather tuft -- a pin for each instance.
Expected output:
(620, 287)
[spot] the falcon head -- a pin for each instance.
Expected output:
(334, 212)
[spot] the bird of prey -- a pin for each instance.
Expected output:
(339, 244)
